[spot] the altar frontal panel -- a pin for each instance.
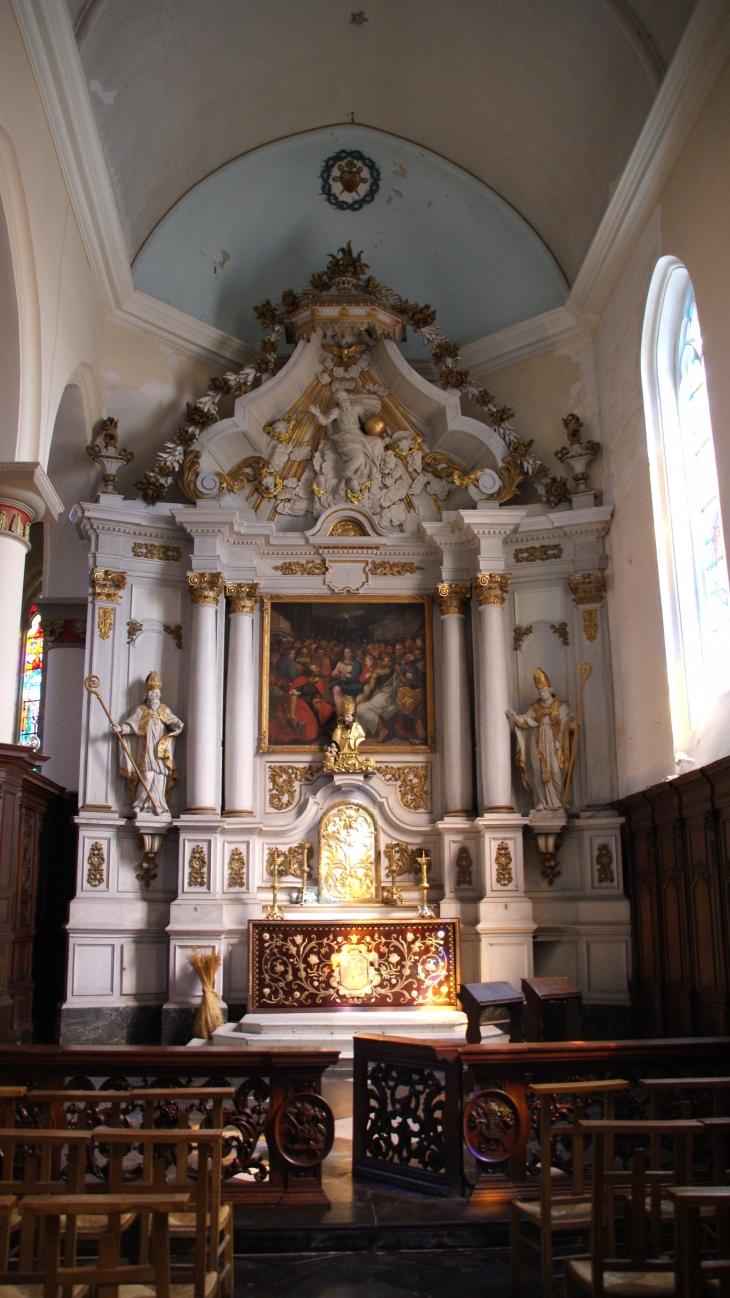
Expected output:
(381, 964)
(374, 648)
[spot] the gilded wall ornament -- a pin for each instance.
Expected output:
(519, 635)
(391, 568)
(105, 622)
(109, 456)
(491, 587)
(236, 869)
(412, 783)
(243, 596)
(133, 630)
(198, 868)
(587, 587)
(537, 553)
(175, 633)
(452, 597)
(52, 628)
(347, 527)
(577, 454)
(590, 623)
(205, 587)
(108, 585)
(302, 568)
(349, 855)
(464, 868)
(148, 550)
(19, 523)
(604, 864)
(79, 626)
(560, 629)
(503, 862)
(95, 861)
(283, 781)
(349, 179)
(296, 861)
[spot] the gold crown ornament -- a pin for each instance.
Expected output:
(153, 681)
(542, 681)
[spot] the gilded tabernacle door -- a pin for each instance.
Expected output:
(349, 855)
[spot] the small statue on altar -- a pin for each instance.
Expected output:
(543, 745)
(157, 729)
(342, 755)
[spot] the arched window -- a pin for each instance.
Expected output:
(30, 689)
(687, 517)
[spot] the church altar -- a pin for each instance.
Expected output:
(313, 663)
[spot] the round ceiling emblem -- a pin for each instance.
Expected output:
(350, 180)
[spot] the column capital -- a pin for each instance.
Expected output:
(491, 587)
(243, 595)
(587, 587)
(205, 587)
(453, 597)
(108, 585)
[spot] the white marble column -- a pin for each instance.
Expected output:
(453, 598)
(14, 545)
(240, 740)
(495, 741)
(203, 738)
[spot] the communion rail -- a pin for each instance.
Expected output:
(418, 1106)
(278, 1100)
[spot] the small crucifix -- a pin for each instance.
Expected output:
(424, 910)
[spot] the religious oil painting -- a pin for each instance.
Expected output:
(379, 651)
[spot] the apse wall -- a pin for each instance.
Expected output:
(261, 224)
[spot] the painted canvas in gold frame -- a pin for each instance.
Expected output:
(390, 674)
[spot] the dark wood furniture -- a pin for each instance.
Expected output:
(475, 998)
(539, 992)
(408, 1101)
(695, 1275)
(28, 803)
(277, 1092)
(677, 876)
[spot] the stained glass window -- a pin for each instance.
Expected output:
(30, 698)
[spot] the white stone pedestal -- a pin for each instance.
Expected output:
(335, 1029)
(505, 923)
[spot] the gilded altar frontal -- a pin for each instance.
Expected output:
(376, 650)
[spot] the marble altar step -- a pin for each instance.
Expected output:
(335, 1029)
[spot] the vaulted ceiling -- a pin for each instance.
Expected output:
(541, 101)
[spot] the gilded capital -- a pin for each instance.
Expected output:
(587, 587)
(108, 585)
(491, 587)
(205, 587)
(243, 596)
(452, 597)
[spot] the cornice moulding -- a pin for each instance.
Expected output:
(49, 41)
(702, 53)
(543, 333)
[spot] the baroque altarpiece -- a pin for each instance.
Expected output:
(351, 552)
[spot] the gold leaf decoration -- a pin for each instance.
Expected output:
(95, 861)
(198, 868)
(412, 782)
(503, 862)
(604, 863)
(283, 780)
(105, 622)
(464, 868)
(236, 869)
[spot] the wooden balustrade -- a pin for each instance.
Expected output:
(415, 1103)
(277, 1097)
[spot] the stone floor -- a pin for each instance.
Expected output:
(473, 1273)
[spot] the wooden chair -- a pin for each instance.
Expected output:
(567, 1213)
(110, 1278)
(695, 1275)
(659, 1087)
(603, 1273)
(210, 1268)
(182, 1225)
(31, 1164)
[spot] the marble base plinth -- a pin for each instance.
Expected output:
(335, 1029)
(119, 1025)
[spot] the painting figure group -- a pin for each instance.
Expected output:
(310, 674)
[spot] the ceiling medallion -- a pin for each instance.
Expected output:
(349, 180)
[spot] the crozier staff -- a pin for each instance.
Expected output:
(543, 744)
(156, 728)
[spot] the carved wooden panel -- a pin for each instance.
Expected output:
(678, 878)
(379, 964)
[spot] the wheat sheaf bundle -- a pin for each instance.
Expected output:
(209, 1017)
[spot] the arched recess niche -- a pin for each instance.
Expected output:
(65, 570)
(9, 347)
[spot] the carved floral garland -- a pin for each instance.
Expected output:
(181, 457)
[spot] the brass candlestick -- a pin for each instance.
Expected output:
(424, 910)
(273, 862)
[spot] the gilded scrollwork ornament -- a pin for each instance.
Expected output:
(242, 596)
(205, 587)
(96, 862)
(491, 587)
(452, 597)
(412, 784)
